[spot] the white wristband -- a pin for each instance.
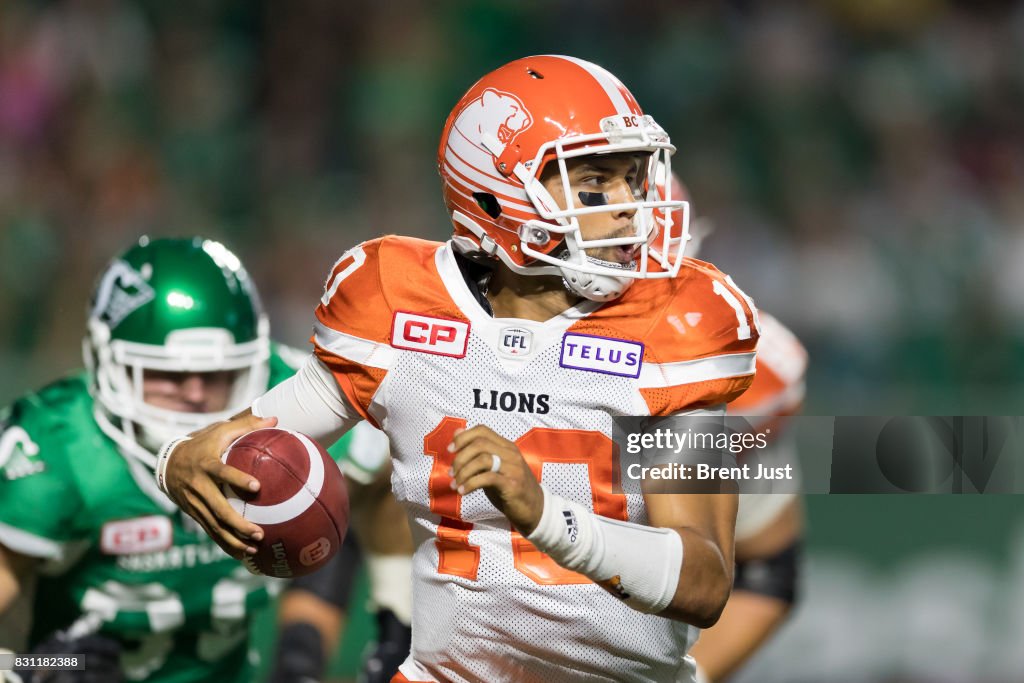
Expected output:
(163, 457)
(640, 563)
(566, 532)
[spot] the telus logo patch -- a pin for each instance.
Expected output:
(606, 355)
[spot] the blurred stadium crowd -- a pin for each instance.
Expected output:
(861, 161)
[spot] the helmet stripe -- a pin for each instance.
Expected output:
(621, 98)
(474, 171)
(470, 177)
(466, 191)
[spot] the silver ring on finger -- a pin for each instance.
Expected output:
(495, 463)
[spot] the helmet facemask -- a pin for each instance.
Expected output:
(583, 273)
(685, 233)
(120, 372)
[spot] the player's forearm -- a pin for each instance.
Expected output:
(705, 582)
(747, 621)
(636, 563)
(677, 573)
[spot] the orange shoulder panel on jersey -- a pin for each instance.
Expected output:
(699, 332)
(367, 287)
(778, 388)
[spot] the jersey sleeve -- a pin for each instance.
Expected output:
(778, 388)
(39, 503)
(351, 335)
(700, 349)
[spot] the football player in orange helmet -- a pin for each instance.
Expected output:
(494, 362)
(517, 163)
(769, 526)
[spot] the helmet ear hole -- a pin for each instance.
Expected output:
(488, 203)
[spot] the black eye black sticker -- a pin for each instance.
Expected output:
(593, 199)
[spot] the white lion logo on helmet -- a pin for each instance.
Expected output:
(496, 113)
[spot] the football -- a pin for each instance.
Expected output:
(302, 504)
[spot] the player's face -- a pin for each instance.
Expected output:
(188, 392)
(600, 180)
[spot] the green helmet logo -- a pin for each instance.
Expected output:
(121, 291)
(178, 306)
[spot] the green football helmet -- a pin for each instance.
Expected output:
(172, 305)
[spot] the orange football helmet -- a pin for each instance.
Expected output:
(499, 138)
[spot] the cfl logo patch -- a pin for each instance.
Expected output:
(572, 529)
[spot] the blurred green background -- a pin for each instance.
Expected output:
(861, 160)
(905, 589)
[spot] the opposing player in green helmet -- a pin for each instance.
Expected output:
(176, 339)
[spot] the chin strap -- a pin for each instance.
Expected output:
(598, 288)
(487, 245)
(126, 445)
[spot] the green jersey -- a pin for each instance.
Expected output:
(119, 557)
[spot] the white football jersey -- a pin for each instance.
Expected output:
(415, 352)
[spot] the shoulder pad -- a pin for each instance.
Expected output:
(699, 332)
(367, 288)
(778, 388)
(36, 427)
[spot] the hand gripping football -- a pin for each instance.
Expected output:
(302, 504)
